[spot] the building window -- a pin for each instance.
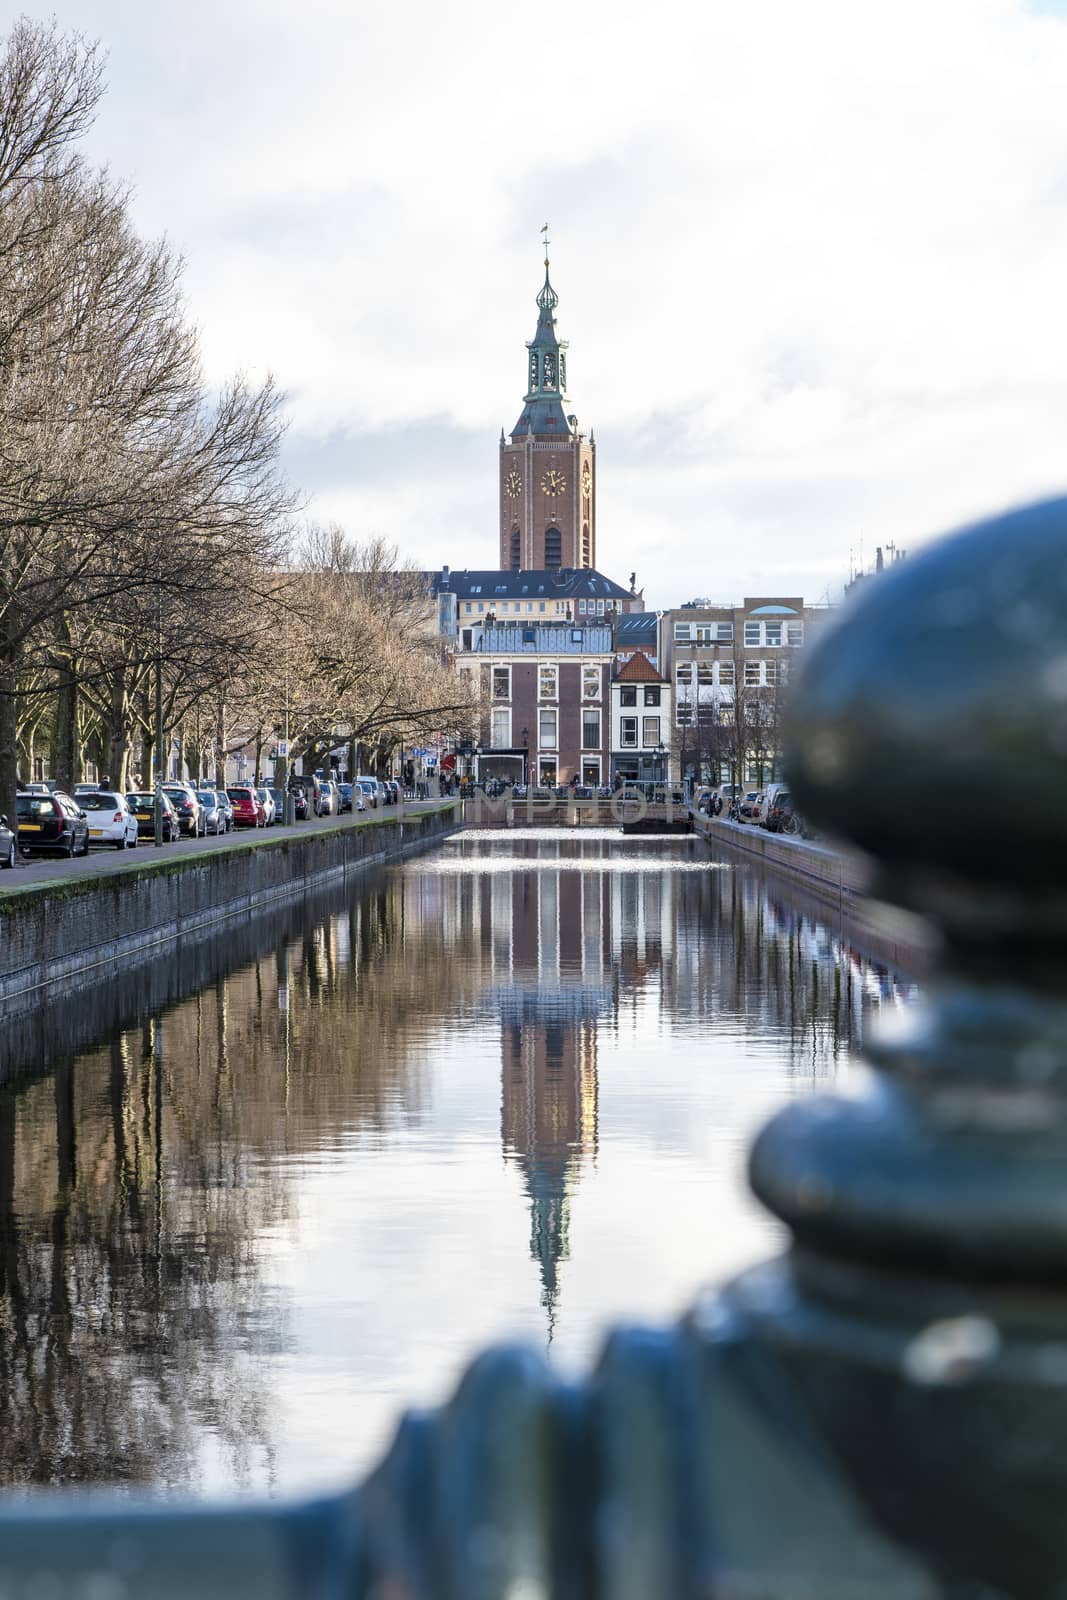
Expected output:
(772, 634)
(553, 547)
(752, 633)
(581, 608)
(753, 674)
(684, 672)
(794, 634)
(529, 606)
(540, 605)
(501, 683)
(681, 632)
(546, 772)
(724, 632)
(629, 732)
(649, 732)
(705, 672)
(470, 608)
(628, 695)
(726, 713)
(726, 672)
(547, 730)
(468, 638)
(773, 675)
(481, 605)
(590, 730)
(501, 728)
(590, 683)
(547, 683)
(600, 608)
(652, 695)
(685, 714)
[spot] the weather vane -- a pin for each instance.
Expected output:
(544, 230)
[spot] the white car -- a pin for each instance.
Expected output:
(266, 800)
(110, 819)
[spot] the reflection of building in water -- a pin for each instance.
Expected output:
(552, 969)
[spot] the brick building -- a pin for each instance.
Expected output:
(544, 692)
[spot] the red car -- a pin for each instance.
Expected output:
(248, 810)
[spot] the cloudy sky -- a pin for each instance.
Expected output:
(811, 259)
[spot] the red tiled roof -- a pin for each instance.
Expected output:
(638, 669)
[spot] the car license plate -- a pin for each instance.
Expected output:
(143, 816)
(29, 827)
(96, 833)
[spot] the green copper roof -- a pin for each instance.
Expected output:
(544, 409)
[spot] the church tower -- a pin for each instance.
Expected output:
(547, 467)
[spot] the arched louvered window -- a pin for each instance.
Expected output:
(553, 547)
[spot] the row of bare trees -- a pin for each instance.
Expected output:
(148, 580)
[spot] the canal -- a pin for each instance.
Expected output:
(503, 1089)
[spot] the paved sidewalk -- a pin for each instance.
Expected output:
(103, 862)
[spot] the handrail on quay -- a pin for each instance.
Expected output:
(881, 1412)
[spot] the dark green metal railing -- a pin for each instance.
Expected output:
(882, 1412)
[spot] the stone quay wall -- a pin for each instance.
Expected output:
(830, 884)
(66, 933)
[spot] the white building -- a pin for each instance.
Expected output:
(640, 722)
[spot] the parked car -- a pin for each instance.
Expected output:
(225, 807)
(309, 786)
(278, 796)
(187, 807)
(248, 809)
(51, 822)
(782, 815)
(301, 806)
(746, 810)
(214, 817)
(370, 789)
(109, 817)
(392, 789)
(345, 791)
(329, 798)
(770, 794)
(143, 806)
(7, 844)
(263, 795)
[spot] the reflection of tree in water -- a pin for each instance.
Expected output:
(135, 1186)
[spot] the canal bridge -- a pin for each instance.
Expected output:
(880, 1413)
(631, 813)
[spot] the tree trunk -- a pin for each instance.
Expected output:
(220, 746)
(119, 733)
(9, 769)
(67, 766)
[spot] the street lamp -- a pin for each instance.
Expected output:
(477, 755)
(661, 765)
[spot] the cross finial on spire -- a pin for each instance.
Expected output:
(547, 240)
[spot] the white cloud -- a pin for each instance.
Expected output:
(810, 259)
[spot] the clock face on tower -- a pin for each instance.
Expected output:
(553, 482)
(513, 484)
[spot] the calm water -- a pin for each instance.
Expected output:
(502, 1089)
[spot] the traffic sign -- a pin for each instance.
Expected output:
(283, 750)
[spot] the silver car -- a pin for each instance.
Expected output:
(214, 816)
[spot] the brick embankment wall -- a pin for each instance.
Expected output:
(831, 884)
(67, 933)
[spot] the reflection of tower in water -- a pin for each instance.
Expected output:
(552, 968)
